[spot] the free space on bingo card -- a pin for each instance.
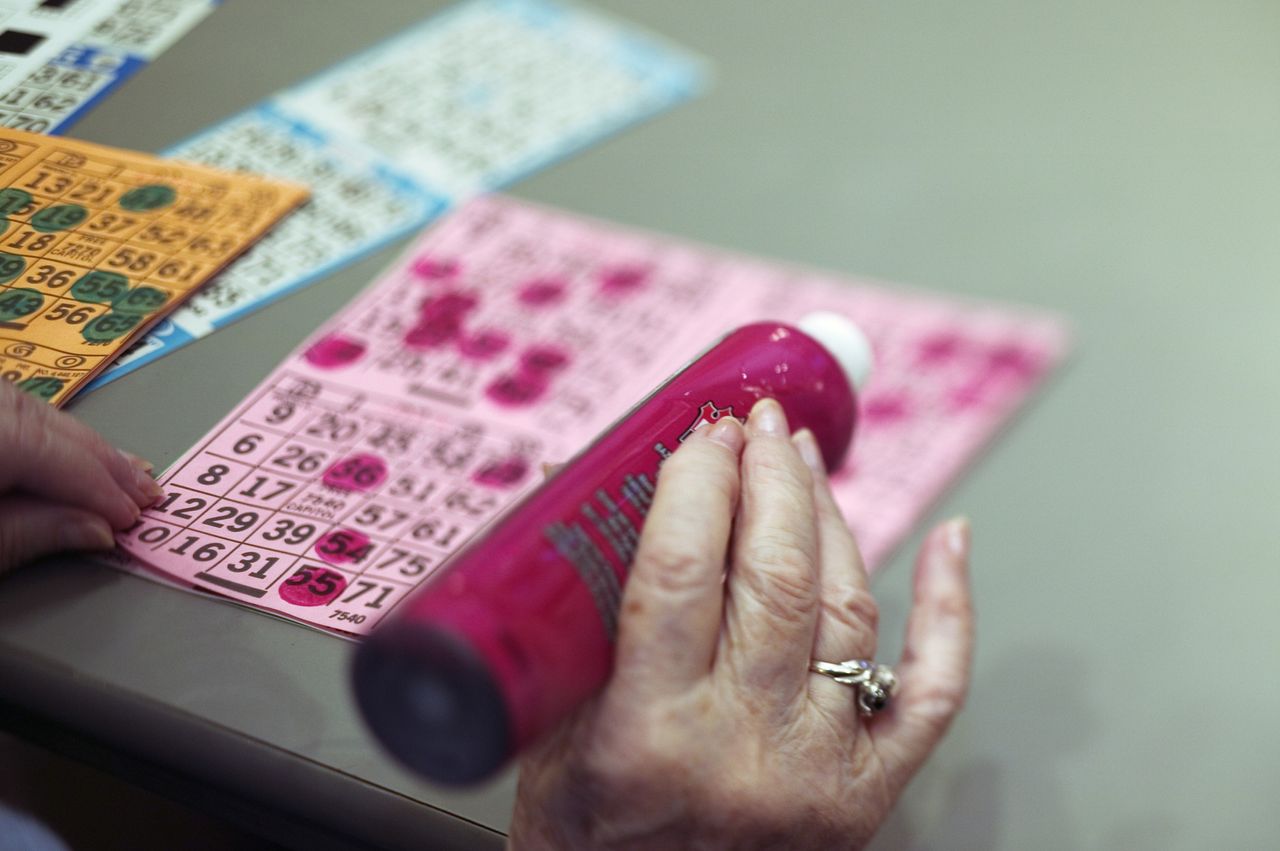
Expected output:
(509, 336)
(98, 244)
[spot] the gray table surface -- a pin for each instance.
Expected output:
(1114, 161)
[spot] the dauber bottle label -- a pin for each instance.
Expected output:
(601, 540)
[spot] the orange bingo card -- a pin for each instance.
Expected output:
(98, 244)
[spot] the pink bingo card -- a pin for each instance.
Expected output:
(507, 337)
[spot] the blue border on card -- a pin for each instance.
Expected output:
(674, 77)
(435, 207)
(130, 66)
(167, 332)
(131, 63)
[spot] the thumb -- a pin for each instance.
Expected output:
(31, 528)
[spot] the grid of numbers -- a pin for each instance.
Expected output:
(146, 27)
(332, 503)
(490, 90)
(61, 56)
(353, 208)
(511, 320)
(464, 102)
(95, 248)
(52, 93)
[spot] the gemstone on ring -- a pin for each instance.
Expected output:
(874, 683)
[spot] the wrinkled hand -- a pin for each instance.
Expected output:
(62, 486)
(712, 733)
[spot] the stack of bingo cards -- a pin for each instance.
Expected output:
(508, 337)
(99, 244)
(473, 98)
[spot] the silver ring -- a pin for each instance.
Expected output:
(874, 683)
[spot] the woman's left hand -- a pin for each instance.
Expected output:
(62, 486)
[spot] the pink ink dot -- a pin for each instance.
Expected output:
(541, 292)
(434, 332)
(334, 351)
(1013, 359)
(343, 546)
(503, 473)
(886, 408)
(453, 303)
(544, 359)
(356, 473)
(312, 586)
(484, 345)
(516, 390)
(972, 394)
(435, 269)
(622, 280)
(939, 348)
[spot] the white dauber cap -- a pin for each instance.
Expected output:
(844, 340)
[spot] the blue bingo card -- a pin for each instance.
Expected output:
(72, 55)
(466, 102)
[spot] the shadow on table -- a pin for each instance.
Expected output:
(91, 810)
(1023, 716)
(56, 579)
(142, 638)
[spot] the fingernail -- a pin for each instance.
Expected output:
(809, 451)
(767, 417)
(151, 491)
(147, 491)
(728, 433)
(138, 463)
(956, 536)
(87, 535)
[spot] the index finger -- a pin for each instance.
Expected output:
(673, 602)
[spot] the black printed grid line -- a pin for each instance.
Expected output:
(53, 79)
(235, 420)
(129, 176)
(401, 543)
(132, 176)
(308, 411)
(167, 481)
(517, 45)
(77, 176)
(254, 147)
(423, 431)
(239, 422)
(116, 243)
(290, 560)
(578, 266)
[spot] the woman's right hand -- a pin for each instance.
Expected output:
(712, 732)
